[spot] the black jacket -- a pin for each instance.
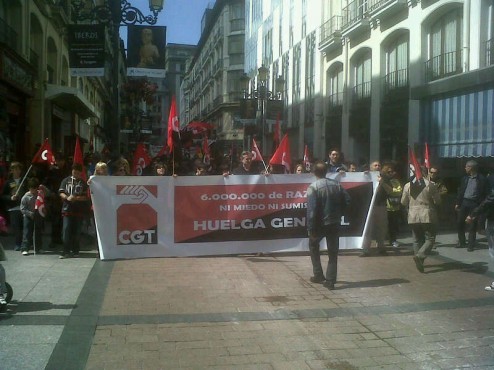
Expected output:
(482, 183)
(486, 207)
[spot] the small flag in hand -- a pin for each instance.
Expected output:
(141, 160)
(306, 158)
(40, 203)
(427, 161)
(256, 154)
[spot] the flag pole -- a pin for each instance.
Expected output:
(23, 179)
(173, 162)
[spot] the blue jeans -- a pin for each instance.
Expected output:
(71, 234)
(332, 235)
(31, 234)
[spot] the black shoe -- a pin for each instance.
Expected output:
(329, 285)
(419, 263)
(383, 252)
(75, 255)
(470, 249)
(364, 254)
(317, 280)
(460, 245)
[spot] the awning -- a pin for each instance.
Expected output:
(463, 125)
(71, 99)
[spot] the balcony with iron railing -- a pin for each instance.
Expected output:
(330, 34)
(385, 8)
(444, 65)
(335, 100)
(355, 17)
(489, 52)
(362, 92)
(395, 80)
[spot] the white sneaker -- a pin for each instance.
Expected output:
(2, 299)
(395, 244)
(490, 287)
(25, 253)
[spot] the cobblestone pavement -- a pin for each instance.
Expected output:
(250, 312)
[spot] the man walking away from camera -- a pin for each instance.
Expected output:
(326, 202)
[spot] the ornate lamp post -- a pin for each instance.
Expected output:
(115, 13)
(262, 95)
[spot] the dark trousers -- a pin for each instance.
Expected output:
(71, 234)
(467, 206)
(16, 224)
(332, 234)
(32, 233)
(394, 218)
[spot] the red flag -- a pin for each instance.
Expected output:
(40, 203)
(173, 124)
(427, 161)
(78, 158)
(141, 160)
(306, 158)
(44, 154)
(415, 170)
(282, 155)
(205, 151)
(277, 131)
(256, 154)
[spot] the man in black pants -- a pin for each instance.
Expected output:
(473, 189)
(326, 201)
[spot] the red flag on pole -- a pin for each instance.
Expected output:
(44, 154)
(282, 155)
(427, 161)
(141, 160)
(205, 151)
(173, 124)
(306, 158)
(415, 170)
(256, 154)
(40, 203)
(78, 158)
(277, 131)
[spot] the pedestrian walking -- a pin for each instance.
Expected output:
(326, 202)
(421, 198)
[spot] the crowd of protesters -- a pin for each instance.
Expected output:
(62, 183)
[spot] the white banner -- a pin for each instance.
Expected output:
(156, 216)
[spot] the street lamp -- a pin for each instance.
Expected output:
(112, 11)
(263, 96)
(116, 13)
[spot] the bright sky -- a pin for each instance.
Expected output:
(182, 19)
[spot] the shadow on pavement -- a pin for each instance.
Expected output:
(476, 267)
(18, 307)
(369, 283)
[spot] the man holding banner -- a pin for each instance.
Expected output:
(326, 201)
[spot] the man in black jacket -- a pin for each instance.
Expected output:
(326, 201)
(473, 189)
